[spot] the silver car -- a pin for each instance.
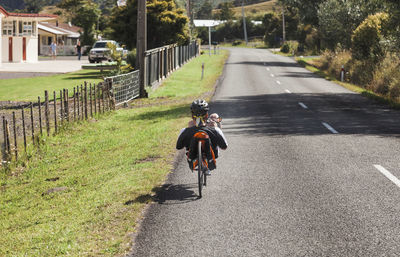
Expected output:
(100, 51)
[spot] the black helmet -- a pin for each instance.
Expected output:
(199, 107)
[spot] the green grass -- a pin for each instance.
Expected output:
(110, 168)
(307, 63)
(28, 89)
(187, 81)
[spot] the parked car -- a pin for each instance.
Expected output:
(100, 51)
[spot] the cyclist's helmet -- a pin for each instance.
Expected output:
(199, 107)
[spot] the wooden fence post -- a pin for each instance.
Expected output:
(78, 102)
(8, 138)
(74, 104)
(91, 102)
(95, 98)
(15, 137)
(99, 96)
(86, 102)
(32, 125)
(67, 104)
(46, 111)
(23, 127)
(102, 93)
(40, 116)
(55, 112)
(61, 107)
(4, 135)
(8, 145)
(82, 103)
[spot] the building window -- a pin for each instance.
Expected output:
(27, 29)
(20, 28)
(8, 28)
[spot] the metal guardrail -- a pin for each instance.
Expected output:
(125, 87)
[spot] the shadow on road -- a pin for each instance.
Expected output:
(281, 114)
(177, 194)
(268, 64)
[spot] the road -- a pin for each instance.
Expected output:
(307, 172)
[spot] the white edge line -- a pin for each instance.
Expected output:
(267, 69)
(387, 174)
(330, 128)
(287, 91)
(278, 82)
(272, 75)
(303, 105)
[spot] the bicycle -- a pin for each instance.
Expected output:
(200, 164)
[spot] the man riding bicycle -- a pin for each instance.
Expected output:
(199, 109)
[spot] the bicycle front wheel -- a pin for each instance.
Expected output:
(200, 169)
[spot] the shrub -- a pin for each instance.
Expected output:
(131, 58)
(236, 43)
(367, 37)
(386, 78)
(290, 47)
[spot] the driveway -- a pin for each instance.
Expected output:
(44, 67)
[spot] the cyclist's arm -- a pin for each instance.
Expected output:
(180, 143)
(222, 143)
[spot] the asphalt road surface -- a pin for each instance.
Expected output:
(312, 169)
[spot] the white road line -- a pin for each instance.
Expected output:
(330, 128)
(272, 75)
(287, 91)
(389, 175)
(303, 105)
(268, 69)
(278, 82)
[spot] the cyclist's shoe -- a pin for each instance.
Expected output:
(208, 172)
(211, 165)
(190, 162)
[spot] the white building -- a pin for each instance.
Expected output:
(19, 35)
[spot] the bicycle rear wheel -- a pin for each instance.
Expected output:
(200, 169)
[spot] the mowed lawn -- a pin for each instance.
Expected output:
(83, 191)
(28, 89)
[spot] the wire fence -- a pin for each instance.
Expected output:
(125, 87)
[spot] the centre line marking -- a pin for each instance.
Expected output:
(330, 128)
(303, 105)
(389, 175)
(268, 69)
(278, 82)
(287, 91)
(272, 75)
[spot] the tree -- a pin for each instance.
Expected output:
(307, 9)
(205, 11)
(84, 14)
(166, 24)
(226, 13)
(34, 6)
(338, 19)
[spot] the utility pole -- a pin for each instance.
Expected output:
(283, 27)
(141, 45)
(244, 23)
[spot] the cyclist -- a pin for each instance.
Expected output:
(199, 109)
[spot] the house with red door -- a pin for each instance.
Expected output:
(19, 35)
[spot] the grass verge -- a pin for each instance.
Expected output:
(28, 89)
(83, 190)
(307, 63)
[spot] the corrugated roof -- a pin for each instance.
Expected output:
(51, 30)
